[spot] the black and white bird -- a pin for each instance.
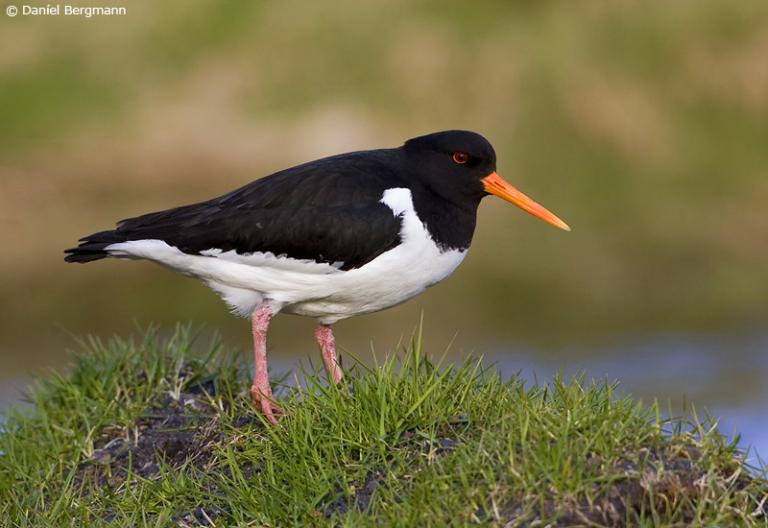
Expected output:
(333, 238)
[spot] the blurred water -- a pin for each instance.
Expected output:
(723, 377)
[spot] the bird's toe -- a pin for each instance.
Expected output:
(266, 404)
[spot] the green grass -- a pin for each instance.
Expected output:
(159, 432)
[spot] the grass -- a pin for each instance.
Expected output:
(159, 432)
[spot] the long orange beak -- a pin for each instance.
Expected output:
(493, 184)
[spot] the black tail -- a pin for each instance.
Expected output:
(92, 247)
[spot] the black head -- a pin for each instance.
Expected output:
(452, 163)
(460, 166)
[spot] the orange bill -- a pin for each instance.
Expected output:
(495, 185)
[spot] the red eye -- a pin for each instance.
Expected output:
(460, 157)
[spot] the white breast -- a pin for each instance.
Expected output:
(391, 278)
(309, 288)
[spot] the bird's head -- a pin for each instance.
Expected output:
(462, 164)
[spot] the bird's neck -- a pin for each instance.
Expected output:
(451, 225)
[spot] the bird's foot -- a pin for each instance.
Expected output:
(266, 404)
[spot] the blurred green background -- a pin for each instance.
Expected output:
(643, 124)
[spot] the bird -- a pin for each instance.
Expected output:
(333, 238)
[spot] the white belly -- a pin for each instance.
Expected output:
(392, 278)
(309, 288)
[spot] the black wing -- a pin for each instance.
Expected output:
(327, 211)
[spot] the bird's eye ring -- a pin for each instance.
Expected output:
(460, 157)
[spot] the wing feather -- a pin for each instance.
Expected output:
(327, 211)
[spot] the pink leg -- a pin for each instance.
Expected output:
(324, 337)
(260, 390)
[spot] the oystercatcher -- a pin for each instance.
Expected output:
(336, 237)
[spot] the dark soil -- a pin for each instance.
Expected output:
(664, 480)
(361, 496)
(174, 433)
